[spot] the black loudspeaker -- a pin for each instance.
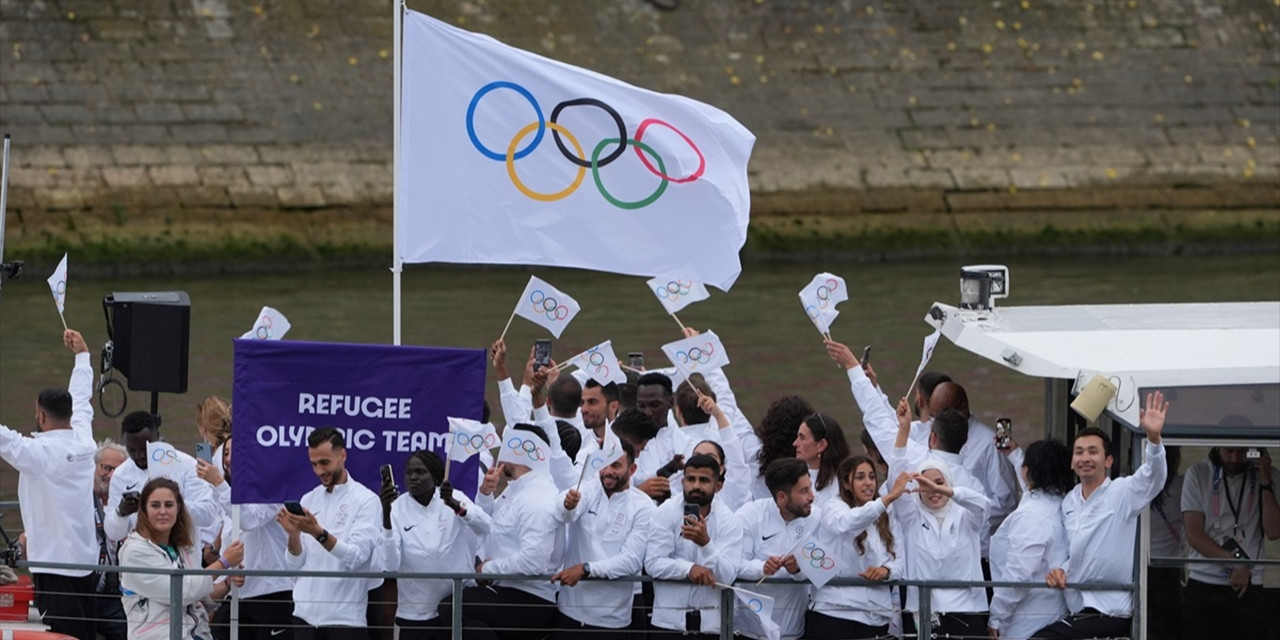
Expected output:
(151, 336)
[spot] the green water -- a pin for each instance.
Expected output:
(773, 347)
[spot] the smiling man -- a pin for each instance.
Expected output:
(1101, 516)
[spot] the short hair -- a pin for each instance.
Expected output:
(565, 396)
(109, 445)
(952, 428)
(327, 434)
(703, 461)
(1048, 464)
(630, 451)
(930, 380)
(655, 378)
(570, 438)
(484, 413)
(138, 421)
(432, 461)
(1094, 431)
(687, 399)
(636, 426)
(180, 535)
(610, 391)
(783, 474)
(55, 402)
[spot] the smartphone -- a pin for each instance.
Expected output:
(294, 507)
(635, 359)
(387, 479)
(204, 451)
(1232, 547)
(866, 356)
(692, 510)
(1004, 431)
(541, 353)
(129, 495)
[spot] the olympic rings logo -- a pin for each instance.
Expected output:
(756, 605)
(817, 557)
(526, 448)
(263, 330)
(474, 443)
(609, 457)
(543, 303)
(696, 356)
(578, 157)
(596, 361)
(674, 289)
(165, 457)
(61, 288)
(825, 291)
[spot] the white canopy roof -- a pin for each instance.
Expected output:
(1137, 346)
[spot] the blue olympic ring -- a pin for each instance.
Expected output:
(471, 119)
(527, 448)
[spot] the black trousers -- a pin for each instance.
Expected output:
(110, 614)
(267, 617)
(1164, 603)
(820, 626)
(1211, 610)
(502, 613)
(304, 631)
(1087, 625)
(434, 629)
(569, 629)
(67, 604)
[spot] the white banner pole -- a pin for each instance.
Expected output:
(397, 262)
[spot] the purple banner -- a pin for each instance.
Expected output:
(388, 401)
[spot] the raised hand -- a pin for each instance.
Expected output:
(1151, 418)
(841, 354)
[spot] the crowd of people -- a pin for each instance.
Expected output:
(700, 499)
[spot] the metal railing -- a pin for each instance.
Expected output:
(924, 618)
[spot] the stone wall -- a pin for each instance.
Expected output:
(241, 106)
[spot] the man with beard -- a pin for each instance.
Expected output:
(426, 531)
(695, 540)
(608, 527)
(525, 540)
(110, 610)
(340, 519)
(1226, 600)
(599, 408)
(1101, 516)
(770, 530)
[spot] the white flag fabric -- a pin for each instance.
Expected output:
(523, 447)
(926, 352)
(270, 325)
(820, 298)
(677, 293)
(698, 354)
(469, 437)
(546, 306)
(817, 563)
(601, 364)
(753, 615)
(507, 157)
(607, 454)
(163, 461)
(58, 284)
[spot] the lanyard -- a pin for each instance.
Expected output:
(1158, 503)
(1219, 481)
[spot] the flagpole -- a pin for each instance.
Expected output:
(583, 475)
(448, 459)
(504, 329)
(235, 591)
(673, 317)
(64, 319)
(784, 555)
(397, 262)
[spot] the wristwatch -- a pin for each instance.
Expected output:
(586, 569)
(323, 537)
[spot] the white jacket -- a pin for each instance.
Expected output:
(146, 596)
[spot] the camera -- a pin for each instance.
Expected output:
(11, 555)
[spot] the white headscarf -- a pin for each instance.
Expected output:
(939, 513)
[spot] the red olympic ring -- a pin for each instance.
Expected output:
(702, 161)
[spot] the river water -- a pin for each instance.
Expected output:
(773, 347)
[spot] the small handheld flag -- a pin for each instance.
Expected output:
(600, 364)
(163, 461)
(545, 306)
(926, 353)
(523, 447)
(698, 354)
(677, 293)
(270, 325)
(58, 285)
(753, 615)
(820, 298)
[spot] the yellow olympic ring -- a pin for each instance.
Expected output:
(515, 179)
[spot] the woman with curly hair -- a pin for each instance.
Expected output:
(777, 433)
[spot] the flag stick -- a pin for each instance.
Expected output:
(565, 365)
(504, 329)
(631, 369)
(913, 385)
(64, 320)
(682, 327)
(586, 463)
(448, 459)
(785, 554)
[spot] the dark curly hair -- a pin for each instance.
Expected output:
(1048, 464)
(777, 430)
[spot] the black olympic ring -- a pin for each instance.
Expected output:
(591, 102)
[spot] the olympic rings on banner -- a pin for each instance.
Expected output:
(263, 330)
(697, 355)
(817, 557)
(538, 127)
(165, 457)
(475, 442)
(544, 303)
(62, 287)
(596, 361)
(674, 289)
(756, 605)
(527, 448)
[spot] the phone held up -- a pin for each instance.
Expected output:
(635, 360)
(204, 451)
(541, 353)
(692, 511)
(294, 507)
(866, 356)
(387, 478)
(1004, 432)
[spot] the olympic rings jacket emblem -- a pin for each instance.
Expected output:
(578, 157)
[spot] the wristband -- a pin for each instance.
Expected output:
(223, 560)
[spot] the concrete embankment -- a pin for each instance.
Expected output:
(208, 130)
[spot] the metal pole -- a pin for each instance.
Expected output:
(176, 613)
(4, 199)
(726, 614)
(924, 622)
(456, 613)
(396, 205)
